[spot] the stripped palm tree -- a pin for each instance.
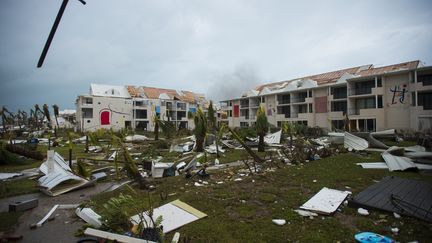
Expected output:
(47, 115)
(6, 117)
(261, 127)
(37, 111)
(56, 113)
(156, 121)
(212, 125)
(200, 129)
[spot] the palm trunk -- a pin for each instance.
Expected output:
(156, 131)
(248, 149)
(261, 144)
(217, 146)
(199, 146)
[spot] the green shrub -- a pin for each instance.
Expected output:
(24, 151)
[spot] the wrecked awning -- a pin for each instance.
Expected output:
(58, 178)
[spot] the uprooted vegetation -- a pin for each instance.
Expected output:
(245, 196)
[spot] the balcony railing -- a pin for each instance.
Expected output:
(362, 91)
(299, 99)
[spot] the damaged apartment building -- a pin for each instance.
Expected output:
(398, 96)
(118, 107)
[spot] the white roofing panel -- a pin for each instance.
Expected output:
(109, 90)
(354, 142)
(326, 201)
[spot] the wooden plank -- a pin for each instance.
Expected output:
(115, 237)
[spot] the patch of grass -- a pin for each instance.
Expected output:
(392, 142)
(23, 164)
(8, 220)
(17, 187)
(242, 211)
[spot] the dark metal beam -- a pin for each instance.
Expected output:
(52, 33)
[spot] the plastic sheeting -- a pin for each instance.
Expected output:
(174, 215)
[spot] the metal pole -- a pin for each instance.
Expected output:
(52, 33)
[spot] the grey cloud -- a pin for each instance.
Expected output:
(198, 45)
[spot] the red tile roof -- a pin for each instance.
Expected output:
(322, 78)
(366, 70)
(390, 68)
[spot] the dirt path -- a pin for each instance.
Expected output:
(65, 224)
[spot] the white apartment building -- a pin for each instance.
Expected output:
(117, 107)
(374, 98)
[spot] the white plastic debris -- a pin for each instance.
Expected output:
(314, 181)
(395, 230)
(238, 179)
(363, 211)
(279, 221)
(198, 184)
(396, 215)
(219, 182)
(216, 162)
(305, 213)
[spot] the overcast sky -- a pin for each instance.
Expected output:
(218, 47)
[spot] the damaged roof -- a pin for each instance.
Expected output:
(109, 90)
(160, 93)
(323, 78)
(329, 78)
(388, 69)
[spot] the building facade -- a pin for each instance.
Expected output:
(118, 107)
(373, 98)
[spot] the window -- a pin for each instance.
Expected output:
(310, 108)
(244, 124)
(339, 106)
(338, 125)
(413, 99)
(141, 125)
(181, 106)
(309, 93)
(426, 79)
(283, 99)
(263, 99)
(339, 92)
(141, 103)
(302, 123)
(379, 82)
(364, 87)
(279, 124)
(302, 109)
(367, 125)
(181, 114)
(302, 97)
(88, 101)
(425, 100)
(284, 110)
(380, 101)
(244, 103)
(141, 114)
(366, 103)
(87, 112)
(169, 105)
(230, 113)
